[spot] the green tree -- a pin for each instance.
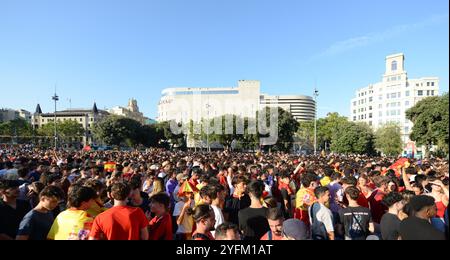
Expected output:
(168, 138)
(287, 127)
(117, 130)
(65, 129)
(431, 122)
(350, 137)
(325, 129)
(388, 140)
(17, 127)
(18, 130)
(149, 136)
(223, 129)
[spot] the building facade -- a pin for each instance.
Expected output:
(303, 108)
(8, 115)
(387, 101)
(26, 115)
(185, 104)
(85, 117)
(131, 111)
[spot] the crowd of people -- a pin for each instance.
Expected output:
(159, 194)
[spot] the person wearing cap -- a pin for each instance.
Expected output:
(11, 172)
(294, 229)
(165, 168)
(418, 226)
(12, 210)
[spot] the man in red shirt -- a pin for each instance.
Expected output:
(205, 221)
(121, 222)
(160, 227)
(351, 181)
(275, 218)
(377, 207)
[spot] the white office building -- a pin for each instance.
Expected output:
(185, 104)
(386, 101)
(301, 107)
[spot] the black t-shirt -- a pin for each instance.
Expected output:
(356, 222)
(253, 223)
(10, 218)
(233, 205)
(414, 228)
(390, 227)
(285, 196)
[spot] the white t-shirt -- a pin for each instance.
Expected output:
(219, 217)
(188, 222)
(323, 218)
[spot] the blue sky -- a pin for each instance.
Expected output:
(111, 50)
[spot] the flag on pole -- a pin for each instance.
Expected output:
(400, 162)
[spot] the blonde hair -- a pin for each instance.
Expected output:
(158, 186)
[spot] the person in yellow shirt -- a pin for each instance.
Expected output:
(74, 223)
(327, 177)
(305, 197)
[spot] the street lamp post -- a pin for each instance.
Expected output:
(55, 98)
(316, 94)
(207, 128)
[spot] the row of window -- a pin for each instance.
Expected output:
(395, 95)
(64, 119)
(365, 93)
(429, 84)
(205, 92)
(429, 93)
(394, 78)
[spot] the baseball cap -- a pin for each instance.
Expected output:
(165, 163)
(372, 237)
(295, 229)
(182, 176)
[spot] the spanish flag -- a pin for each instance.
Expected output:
(110, 166)
(402, 162)
(186, 187)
